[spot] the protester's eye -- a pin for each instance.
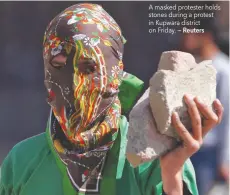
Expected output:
(90, 68)
(86, 66)
(59, 61)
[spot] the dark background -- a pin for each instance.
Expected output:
(23, 109)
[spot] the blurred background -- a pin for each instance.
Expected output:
(24, 110)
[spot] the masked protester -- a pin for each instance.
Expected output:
(82, 151)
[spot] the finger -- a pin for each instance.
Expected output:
(206, 111)
(219, 110)
(211, 118)
(195, 118)
(181, 130)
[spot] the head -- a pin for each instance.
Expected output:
(83, 48)
(196, 43)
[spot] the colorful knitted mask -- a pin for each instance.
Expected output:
(83, 89)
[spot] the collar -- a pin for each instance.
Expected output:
(116, 156)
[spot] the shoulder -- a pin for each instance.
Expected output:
(28, 148)
(23, 156)
(221, 63)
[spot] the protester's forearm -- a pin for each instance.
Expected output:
(172, 183)
(172, 175)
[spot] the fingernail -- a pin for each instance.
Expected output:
(188, 97)
(218, 102)
(176, 115)
(198, 100)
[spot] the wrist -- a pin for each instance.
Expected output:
(173, 183)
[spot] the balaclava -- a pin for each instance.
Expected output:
(83, 90)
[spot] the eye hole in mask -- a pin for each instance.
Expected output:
(59, 61)
(86, 66)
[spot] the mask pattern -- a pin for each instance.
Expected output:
(83, 91)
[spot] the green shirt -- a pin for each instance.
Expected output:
(31, 168)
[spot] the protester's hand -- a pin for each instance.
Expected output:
(172, 162)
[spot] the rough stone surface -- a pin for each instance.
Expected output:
(176, 61)
(145, 143)
(150, 132)
(167, 89)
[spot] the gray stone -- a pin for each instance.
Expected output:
(145, 143)
(176, 61)
(167, 89)
(150, 133)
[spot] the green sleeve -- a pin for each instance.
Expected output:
(189, 181)
(6, 177)
(19, 167)
(129, 90)
(150, 182)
